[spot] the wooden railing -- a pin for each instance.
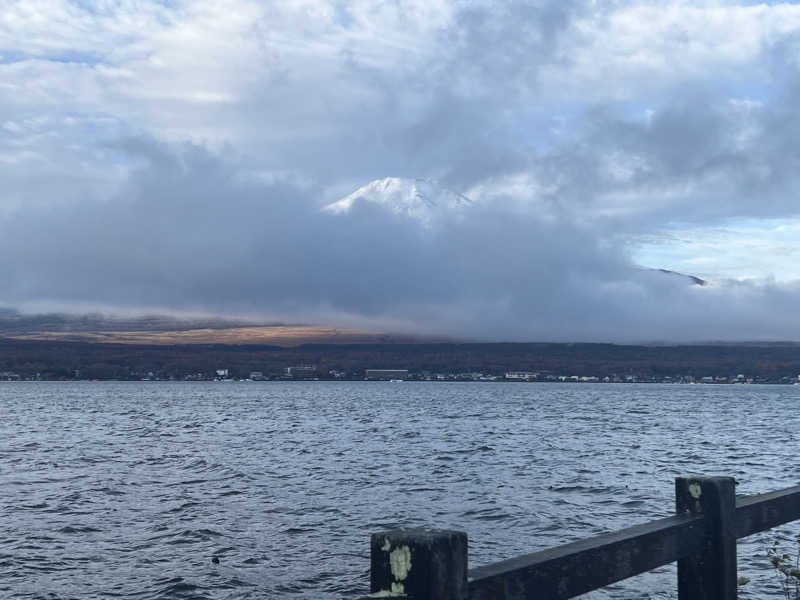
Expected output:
(431, 564)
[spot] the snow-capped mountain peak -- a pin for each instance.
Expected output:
(417, 198)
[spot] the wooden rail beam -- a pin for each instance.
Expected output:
(586, 565)
(765, 511)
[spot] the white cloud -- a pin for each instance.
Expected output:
(645, 48)
(744, 250)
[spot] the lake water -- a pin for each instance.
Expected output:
(128, 490)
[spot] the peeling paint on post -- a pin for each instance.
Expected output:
(419, 564)
(400, 564)
(695, 490)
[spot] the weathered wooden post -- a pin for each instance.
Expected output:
(419, 564)
(709, 574)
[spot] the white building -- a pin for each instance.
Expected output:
(521, 375)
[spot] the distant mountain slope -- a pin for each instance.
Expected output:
(692, 278)
(167, 330)
(276, 335)
(13, 321)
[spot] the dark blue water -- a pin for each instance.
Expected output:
(128, 490)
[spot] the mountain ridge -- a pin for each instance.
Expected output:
(420, 199)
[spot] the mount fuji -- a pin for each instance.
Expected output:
(420, 199)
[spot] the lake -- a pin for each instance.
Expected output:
(130, 489)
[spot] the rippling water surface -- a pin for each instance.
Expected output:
(129, 490)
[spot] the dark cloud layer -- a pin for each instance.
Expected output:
(189, 232)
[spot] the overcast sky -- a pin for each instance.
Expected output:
(163, 155)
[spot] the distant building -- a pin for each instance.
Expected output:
(257, 375)
(222, 372)
(301, 372)
(386, 374)
(521, 375)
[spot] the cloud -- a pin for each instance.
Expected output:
(756, 250)
(190, 231)
(176, 155)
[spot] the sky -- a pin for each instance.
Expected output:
(176, 156)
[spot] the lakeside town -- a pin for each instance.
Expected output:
(765, 363)
(314, 373)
